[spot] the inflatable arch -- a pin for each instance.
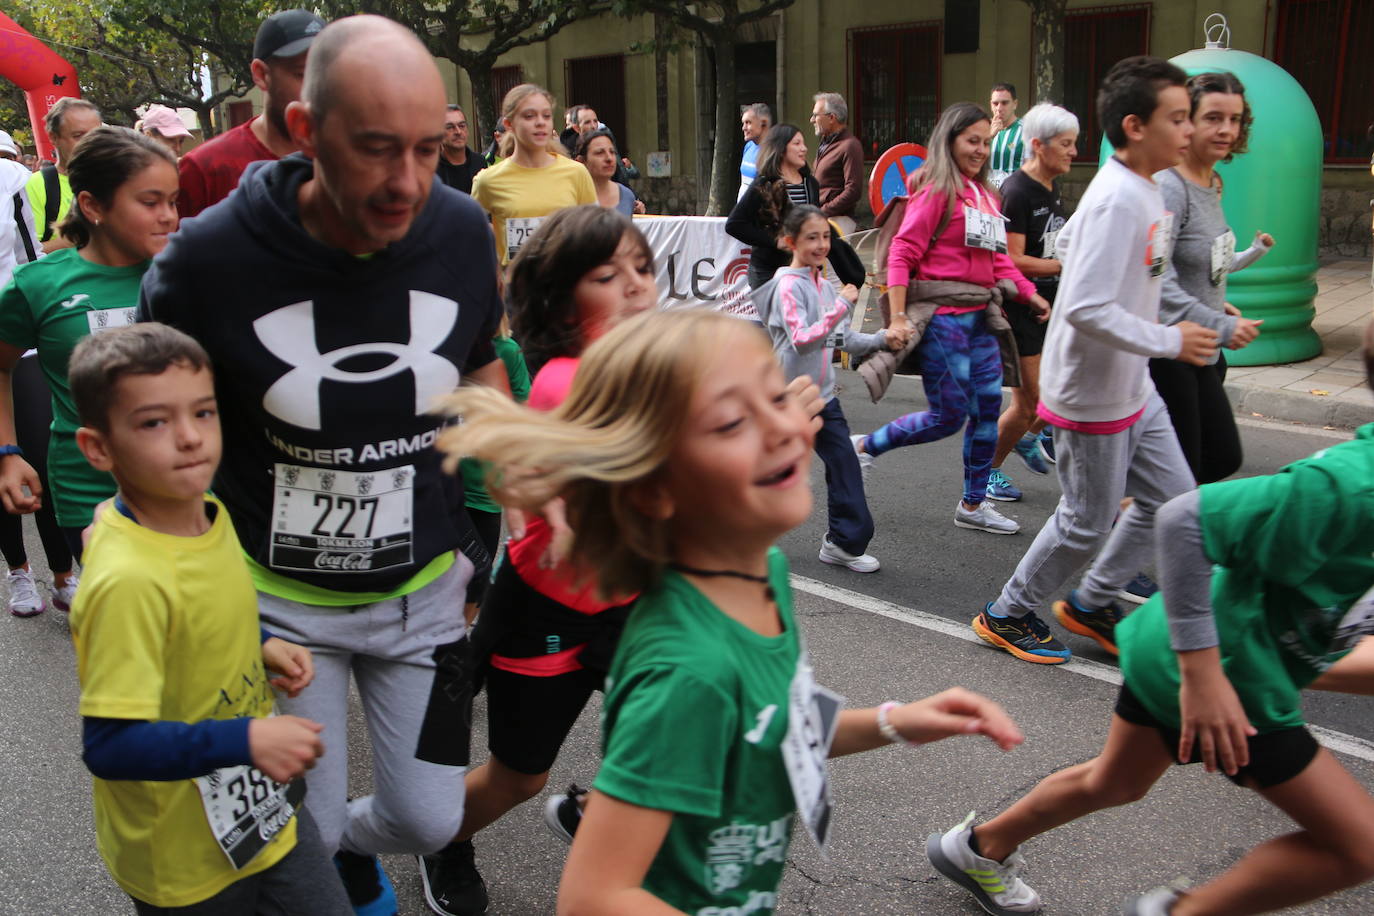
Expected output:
(44, 77)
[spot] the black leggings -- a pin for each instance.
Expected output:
(1202, 417)
(32, 419)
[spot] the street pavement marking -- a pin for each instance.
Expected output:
(1339, 742)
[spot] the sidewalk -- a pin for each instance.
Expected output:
(1328, 390)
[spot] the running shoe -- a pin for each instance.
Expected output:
(1028, 638)
(1047, 445)
(865, 459)
(562, 813)
(837, 556)
(1158, 902)
(984, 518)
(997, 886)
(62, 597)
(1139, 590)
(1001, 488)
(1029, 449)
(1094, 623)
(452, 884)
(368, 887)
(24, 600)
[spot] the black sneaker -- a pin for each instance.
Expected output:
(563, 812)
(1094, 623)
(1025, 637)
(452, 884)
(369, 889)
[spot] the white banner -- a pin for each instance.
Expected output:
(696, 264)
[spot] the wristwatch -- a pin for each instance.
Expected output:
(11, 450)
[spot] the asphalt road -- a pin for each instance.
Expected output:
(900, 633)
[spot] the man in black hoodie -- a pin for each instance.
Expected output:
(339, 293)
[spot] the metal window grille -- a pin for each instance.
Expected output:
(1321, 43)
(1094, 40)
(503, 80)
(896, 94)
(600, 83)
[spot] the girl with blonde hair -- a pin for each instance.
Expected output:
(535, 177)
(682, 457)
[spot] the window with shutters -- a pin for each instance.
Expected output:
(896, 86)
(1323, 44)
(503, 80)
(600, 83)
(1094, 39)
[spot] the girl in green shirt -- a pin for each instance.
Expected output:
(124, 188)
(682, 456)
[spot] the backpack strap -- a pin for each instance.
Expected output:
(52, 186)
(22, 228)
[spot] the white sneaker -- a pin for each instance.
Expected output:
(63, 597)
(838, 556)
(984, 518)
(995, 885)
(865, 459)
(24, 600)
(1157, 902)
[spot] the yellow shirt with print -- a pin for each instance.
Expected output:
(512, 192)
(37, 190)
(166, 628)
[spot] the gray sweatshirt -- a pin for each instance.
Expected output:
(808, 320)
(1204, 253)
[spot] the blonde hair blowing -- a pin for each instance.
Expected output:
(511, 104)
(630, 398)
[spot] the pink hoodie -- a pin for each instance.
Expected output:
(949, 258)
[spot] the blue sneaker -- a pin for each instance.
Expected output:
(1027, 638)
(368, 887)
(1029, 450)
(1139, 590)
(1095, 623)
(1046, 444)
(1001, 488)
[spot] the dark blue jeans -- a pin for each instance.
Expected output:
(851, 524)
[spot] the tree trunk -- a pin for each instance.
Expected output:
(662, 30)
(724, 178)
(479, 73)
(206, 122)
(1047, 34)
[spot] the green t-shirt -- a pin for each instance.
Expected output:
(474, 473)
(694, 717)
(1295, 550)
(37, 191)
(50, 305)
(1006, 154)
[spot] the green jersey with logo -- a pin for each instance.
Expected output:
(693, 722)
(1295, 552)
(50, 305)
(1007, 153)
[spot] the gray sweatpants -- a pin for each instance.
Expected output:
(389, 648)
(1095, 472)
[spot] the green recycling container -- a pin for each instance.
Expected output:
(1275, 187)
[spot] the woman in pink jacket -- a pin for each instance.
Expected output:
(953, 230)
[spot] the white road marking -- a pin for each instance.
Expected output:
(1331, 739)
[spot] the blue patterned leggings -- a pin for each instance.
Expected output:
(961, 367)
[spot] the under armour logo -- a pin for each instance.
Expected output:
(289, 334)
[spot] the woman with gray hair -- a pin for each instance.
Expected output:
(1035, 214)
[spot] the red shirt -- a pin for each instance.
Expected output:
(212, 170)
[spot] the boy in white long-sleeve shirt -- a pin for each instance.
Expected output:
(1113, 435)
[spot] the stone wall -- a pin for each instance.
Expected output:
(675, 196)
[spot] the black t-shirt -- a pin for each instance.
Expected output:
(326, 368)
(1037, 213)
(459, 177)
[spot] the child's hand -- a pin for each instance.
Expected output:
(1265, 239)
(809, 397)
(1247, 329)
(284, 747)
(898, 338)
(850, 293)
(1199, 343)
(955, 712)
(292, 662)
(1211, 714)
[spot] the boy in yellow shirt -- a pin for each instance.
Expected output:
(197, 789)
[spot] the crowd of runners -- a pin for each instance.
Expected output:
(381, 350)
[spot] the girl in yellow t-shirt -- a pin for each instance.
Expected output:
(535, 178)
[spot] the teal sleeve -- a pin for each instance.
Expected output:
(667, 738)
(16, 316)
(1285, 526)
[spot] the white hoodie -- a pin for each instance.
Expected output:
(1105, 324)
(13, 177)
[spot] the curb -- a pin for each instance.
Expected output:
(1297, 407)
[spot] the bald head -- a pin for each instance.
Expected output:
(364, 47)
